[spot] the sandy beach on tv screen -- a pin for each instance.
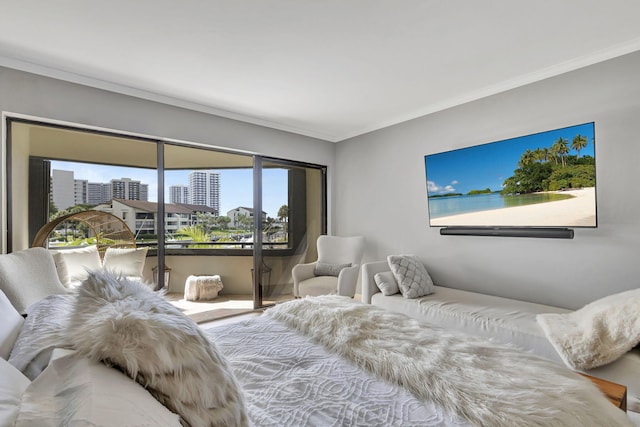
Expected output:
(578, 211)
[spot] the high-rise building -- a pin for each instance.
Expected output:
(81, 191)
(204, 189)
(179, 194)
(67, 191)
(144, 192)
(98, 192)
(128, 189)
(63, 189)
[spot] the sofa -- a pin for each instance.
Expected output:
(502, 320)
(29, 275)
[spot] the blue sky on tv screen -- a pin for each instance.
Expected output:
(488, 165)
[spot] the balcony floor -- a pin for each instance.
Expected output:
(221, 307)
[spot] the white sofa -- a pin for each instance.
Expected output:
(502, 320)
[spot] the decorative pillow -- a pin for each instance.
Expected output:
(325, 269)
(413, 279)
(28, 276)
(128, 262)
(74, 391)
(122, 323)
(79, 261)
(10, 324)
(386, 283)
(598, 333)
(61, 267)
(12, 386)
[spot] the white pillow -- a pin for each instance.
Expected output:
(28, 276)
(598, 333)
(326, 269)
(79, 261)
(75, 391)
(386, 283)
(413, 279)
(12, 386)
(123, 323)
(10, 324)
(128, 262)
(61, 267)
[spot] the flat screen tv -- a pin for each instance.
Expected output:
(547, 180)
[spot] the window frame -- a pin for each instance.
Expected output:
(296, 233)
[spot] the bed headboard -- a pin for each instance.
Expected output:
(369, 270)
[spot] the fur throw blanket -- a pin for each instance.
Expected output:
(124, 324)
(487, 384)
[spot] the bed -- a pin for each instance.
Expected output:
(322, 361)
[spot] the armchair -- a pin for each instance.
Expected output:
(329, 275)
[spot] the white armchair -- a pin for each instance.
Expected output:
(329, 275)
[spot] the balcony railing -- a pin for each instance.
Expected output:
(188, 244)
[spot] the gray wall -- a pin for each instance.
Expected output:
(43, 97)
(384, 197)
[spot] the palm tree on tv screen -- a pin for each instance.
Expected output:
(579, 142)
(561, 147)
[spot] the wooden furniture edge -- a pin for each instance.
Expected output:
(616, 393)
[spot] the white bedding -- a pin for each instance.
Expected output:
(289, 380)
(487, 384)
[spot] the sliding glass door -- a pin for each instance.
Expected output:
(293, 211)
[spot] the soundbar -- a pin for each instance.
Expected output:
(548, 233)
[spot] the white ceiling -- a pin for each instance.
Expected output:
(331, 69)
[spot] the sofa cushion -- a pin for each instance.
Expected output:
(386, 283)
(77, 262)
(501, 319)
(61, 267)
(28, 276)
(411, 275)
(125, 261)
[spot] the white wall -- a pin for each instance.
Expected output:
(384, 197)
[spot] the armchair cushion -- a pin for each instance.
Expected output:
(319, 285)
(327, 269)
(28, 276)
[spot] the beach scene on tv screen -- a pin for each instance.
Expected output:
(546, 179)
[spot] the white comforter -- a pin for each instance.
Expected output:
(290, 381)
(330, 362)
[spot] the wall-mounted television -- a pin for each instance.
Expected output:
(545, 180)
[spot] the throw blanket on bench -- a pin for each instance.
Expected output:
(485, 383)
